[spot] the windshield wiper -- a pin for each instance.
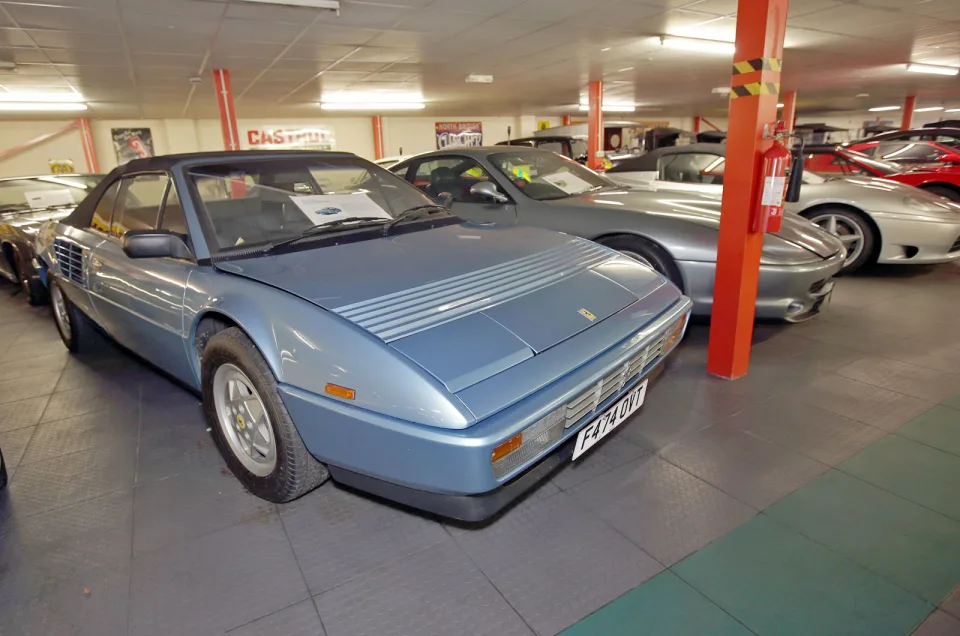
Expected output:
(353, 223)
(412, 213)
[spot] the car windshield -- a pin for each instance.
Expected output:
(260, 203)
(41, 193)
(545, 175)
(885, 168)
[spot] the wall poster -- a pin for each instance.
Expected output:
(290, 139)
(454, 134)
(132, 143)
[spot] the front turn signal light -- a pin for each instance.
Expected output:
(507, 447)
(676, 330)
(340, 391)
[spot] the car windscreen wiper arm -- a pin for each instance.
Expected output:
(354, 222)
(411, 213)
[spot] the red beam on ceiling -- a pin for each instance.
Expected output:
(696, 124)
(89, 149)
(753, 103)
(595, 126)
(789, 114)
(704, 120)
(228, 115)
(378, 152)
(908, 105)
(36, 141)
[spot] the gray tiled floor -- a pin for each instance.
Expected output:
(121, 518)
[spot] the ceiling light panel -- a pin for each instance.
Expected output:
(696, 45)
(934, 70)
(880, 109)
(332, 5)
(928, 109)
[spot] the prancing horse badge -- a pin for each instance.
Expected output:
(586, 314)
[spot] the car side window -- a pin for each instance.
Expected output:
(103, 213)
(691, 168)
(454, 175)
(138, 205)
(552, 146)
(172, 217)
(908, 152)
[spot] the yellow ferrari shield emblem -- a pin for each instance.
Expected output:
(240, 421)
(586, 314)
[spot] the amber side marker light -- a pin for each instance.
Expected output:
(340, 391)
(676, 330)
(507, 447)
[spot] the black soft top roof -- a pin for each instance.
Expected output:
(648, 162)
(166, 162)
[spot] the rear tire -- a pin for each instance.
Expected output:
(648, 253)
(3, 472)
(251, 424)
(74, 327)
(945, 191)
(860, 239)
(33, 289)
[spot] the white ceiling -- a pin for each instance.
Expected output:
(134, 58)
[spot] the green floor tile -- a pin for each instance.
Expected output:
(663, 606)
(912, 546)
(954, 401)
(922, 474)
(939, 427)
(780, 583)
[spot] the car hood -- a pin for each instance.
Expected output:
(703, 209)
(33, 218)
(464, 302)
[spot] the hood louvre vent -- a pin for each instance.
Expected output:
(404, 313)
(70, 259)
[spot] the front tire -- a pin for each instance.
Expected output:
(33, 289)
(944, 191)
(72, 325)
(648, 253)
(3, 472)
(250, 423)
(854, 231)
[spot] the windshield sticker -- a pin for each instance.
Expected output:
(47, 198)
(568, 182)
(323, 208)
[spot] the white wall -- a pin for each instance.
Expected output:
(36, 159)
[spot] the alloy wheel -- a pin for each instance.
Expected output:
(60, 313)
(848, 231)
(244, 420)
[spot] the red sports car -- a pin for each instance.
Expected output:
(942, 178)
(908, 152)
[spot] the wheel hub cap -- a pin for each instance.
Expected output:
(60, 312)
(244, 421)
(849, 233)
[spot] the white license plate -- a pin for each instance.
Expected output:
(610, 419)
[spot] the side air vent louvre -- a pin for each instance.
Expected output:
(70, 259)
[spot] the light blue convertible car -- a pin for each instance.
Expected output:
(338, 323)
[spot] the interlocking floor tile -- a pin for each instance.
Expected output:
(664, 510)
(338, 535)
(14, 415)
(31, 387)
(175, 440)
(33, 366)
(901, 377)
(111, 427)
(751, 469)
(613, 451)
(434, 592)
(664, 419)
(939, 624)
(554, 562)
(953, 401)
(939, 427)
(951, 604)
(922, 474)
(862, 402)
(13, 444)
(18, 352)
(663, 606)
(64, 404)
(300, 619)
(776, 581)
(215, 583)
(811, 431)
(912, 546)
(188, 505)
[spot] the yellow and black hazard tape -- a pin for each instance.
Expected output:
(755, 88)
(759, 64)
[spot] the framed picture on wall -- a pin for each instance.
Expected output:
(132, 143)
(454, 134)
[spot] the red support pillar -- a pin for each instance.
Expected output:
(760, 29)
(696, 124)
(378, 152)
(89, 150)
(228, 115)
(567, 120)
(908, 105)
(789, 115)
(595, 126)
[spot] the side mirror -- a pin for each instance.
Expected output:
(155, 244)
(445, 199)
(487, 190)
(795, 180)
(951, 158)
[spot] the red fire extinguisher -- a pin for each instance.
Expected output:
(768, 213)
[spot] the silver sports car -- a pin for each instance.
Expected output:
(675, 233)
(878, 220)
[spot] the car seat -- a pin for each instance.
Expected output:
(442, 180)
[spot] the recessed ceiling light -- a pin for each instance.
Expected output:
(47, 98)
(473, 78)
(935, 70)
(372, 105)
(697, 45)
(624, 70)
(863, 95)
(952, 110)
(42, 106)
(720, 90)
(604, 50)
(779, 105)
(877, 109)
(928, 109)
(332, 5)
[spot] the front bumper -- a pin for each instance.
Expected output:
(785, 292)
(447, 471)
(917, 242)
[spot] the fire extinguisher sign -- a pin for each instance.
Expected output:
(773, 191)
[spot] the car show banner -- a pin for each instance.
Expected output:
(132, 143)
(455, 134)
(290, 139)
